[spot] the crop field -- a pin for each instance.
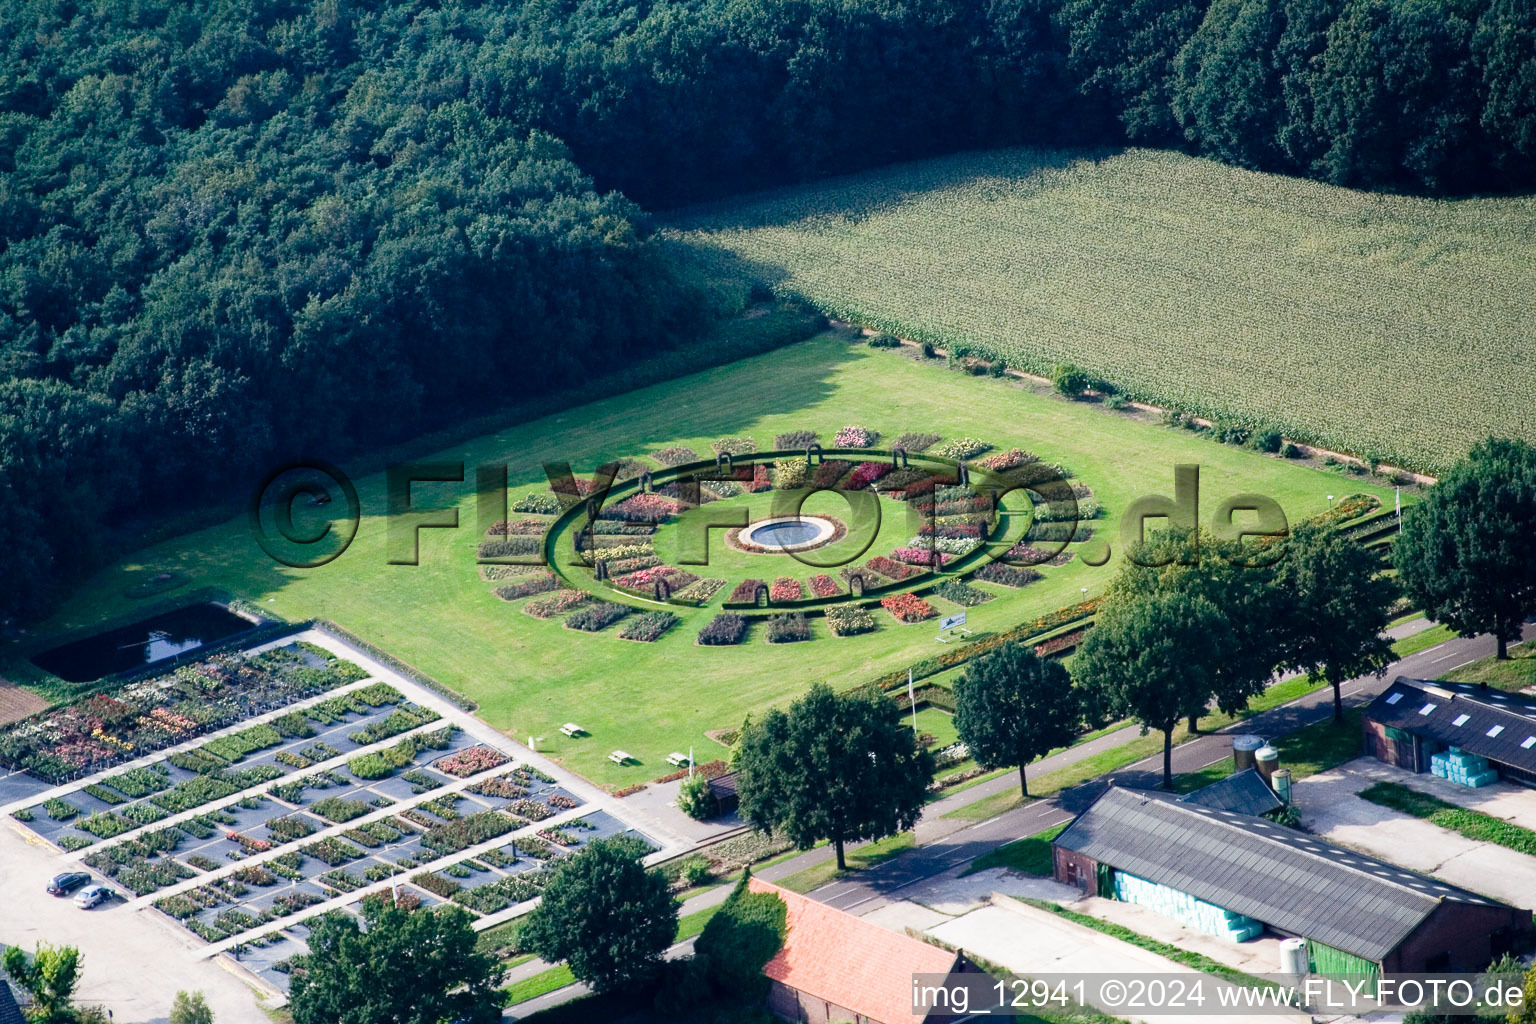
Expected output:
(530, 675)
(1380, 325)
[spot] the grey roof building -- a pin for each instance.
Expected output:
(1413, 719)
(10, 1013)
(1246, 793)
(1378, 915)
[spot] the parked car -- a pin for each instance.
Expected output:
(68, 882)
(91, 895)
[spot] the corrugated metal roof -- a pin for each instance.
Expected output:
(10, 1013)
(1510, 717)
(1289, 879)
(1246, 793)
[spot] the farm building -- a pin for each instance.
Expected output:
(1234, 874)
(835, 967)
(1461, 732)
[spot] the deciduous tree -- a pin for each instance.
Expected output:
(1012, 707)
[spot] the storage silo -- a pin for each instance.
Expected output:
(1266, 759)
(1281, 783)
(1293, 957)
(1242, 752)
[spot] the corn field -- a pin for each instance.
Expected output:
(1386, 326)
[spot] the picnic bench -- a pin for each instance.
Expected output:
(620, 757)
(572, 729)
(677, 760)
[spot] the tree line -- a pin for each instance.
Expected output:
(232, 233)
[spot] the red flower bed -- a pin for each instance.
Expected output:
(746, 591)
(761, 481)
(908, 607)
(643, 508)
(786, 588)
(866, 473)
(471, 761)
(895, 570)
(1061, 643)
(823, 585)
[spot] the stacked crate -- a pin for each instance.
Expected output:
(1184, 908)
(1462, 768)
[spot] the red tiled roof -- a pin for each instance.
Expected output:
(851, 963)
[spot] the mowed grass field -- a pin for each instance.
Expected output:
(530, 676)
(1380, 325)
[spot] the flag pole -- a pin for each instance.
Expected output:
(912, 700)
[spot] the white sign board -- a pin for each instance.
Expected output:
(952, 621)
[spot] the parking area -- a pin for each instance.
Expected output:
(1331, 807)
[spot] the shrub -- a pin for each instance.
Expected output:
(454, 836)
(1290, 451)
(333, 851)
(528, 587)
(849, 620)
(396, 722)
(333, 808)
(795, 439)
(855, 436)
(1070, 380)
(786, 588)
(137, 782)
(105, 825)
(788, 629)
(1266, 439)
(884, 341)
(907, 607)
(723, 631)
(371, 766)
(1116, 402)
(648, 627)
(538, 503)
(734, 446)
(596, 615)
(60, 810)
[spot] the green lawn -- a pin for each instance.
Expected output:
(1516, 672)
(1475, 825)
(545, 981)
(1332, 312)
(529, 676)
(1030, 855)
(1422, 641)
(866, 856)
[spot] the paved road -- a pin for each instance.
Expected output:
(881, 885)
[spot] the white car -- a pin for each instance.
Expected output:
(91, 895)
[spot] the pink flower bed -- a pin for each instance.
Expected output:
(1010, 459)
(866, 473)
(761, 481)
(646, 508)
(471, 761)
(920, 556)
(854, 436)
(786, 588)
(823, 585)
(907, 607)
(895, 570)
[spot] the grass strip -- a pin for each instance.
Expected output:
(1198, 961)
(866, 856)
(539, 984)
(1474, 825)
(1030, 855)
(1422, 641)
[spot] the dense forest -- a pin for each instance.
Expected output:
(234, 232)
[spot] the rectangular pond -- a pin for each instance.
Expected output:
(142, 643)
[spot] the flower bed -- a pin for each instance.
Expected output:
(788, 629)
(723, 631)
(823, 585)
(916, 442)
(1057, 644)
(907, 607)
(961, 448)
(854, 436)
(642, 508)
(148, 714)
(538, 503)
(519, 528)
(830, 472)
(332, 851)
(527, 587)
(892, 569)
(790, 473)
(556, 604)
(471, 761)
(436, 884)
(648, 627)
(1013, 458)
(958, 593)
(734, 446)
(396, 722)
(675, 456)
(786, 588)
(700, 593)
(919, 556)
(454, 836)
(795, 439)
(747, 592)
(335, 809)
(1006, 575)
(596, 615)
(849, 620)
(864, 578)
(1028, 555)
(237, 745)
(866, 473)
